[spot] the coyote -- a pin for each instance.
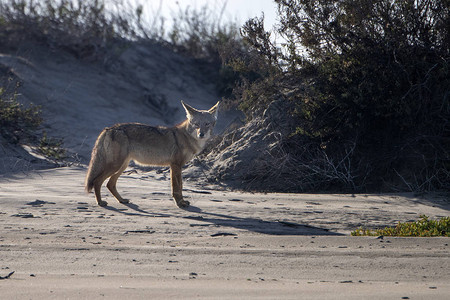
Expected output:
(116, 146)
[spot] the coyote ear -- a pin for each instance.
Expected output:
(189, 109)
(214, 110)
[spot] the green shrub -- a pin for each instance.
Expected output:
(51, 147)
(17, 121)
(19, 124)
(421, 228)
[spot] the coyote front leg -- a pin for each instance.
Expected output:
(177, 186)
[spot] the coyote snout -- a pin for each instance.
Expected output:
(203, 128)
(147, 145)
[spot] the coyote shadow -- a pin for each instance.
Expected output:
(256, 225)
(136, 211)
(223, 220)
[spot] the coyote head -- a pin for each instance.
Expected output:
(201, 122)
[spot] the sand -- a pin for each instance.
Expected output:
(61, 245)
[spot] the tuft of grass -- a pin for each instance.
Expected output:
(424, 227)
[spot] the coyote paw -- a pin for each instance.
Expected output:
(183, 203)
(124, 201)
(102, 203)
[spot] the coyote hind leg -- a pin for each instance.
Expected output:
(111, 185)
(97, 189)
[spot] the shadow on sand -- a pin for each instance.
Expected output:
(256, 225)
(136, 211)
(223, 220)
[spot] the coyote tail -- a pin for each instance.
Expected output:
(97, 163)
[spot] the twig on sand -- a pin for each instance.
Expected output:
(7, 276)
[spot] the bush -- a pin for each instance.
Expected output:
(201, 32)
(255, 63)
(16, 121)
(421, 228)
(370, 79)
(51, 148)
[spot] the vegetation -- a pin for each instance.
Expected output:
(421, 228)
(83, 28)
(17, 121)
(367, 85)
(95, 30)
(51, 148)
(18, 124)
(200, 32)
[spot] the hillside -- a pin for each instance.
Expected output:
(78, 98)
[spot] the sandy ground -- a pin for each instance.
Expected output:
(61, 245)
